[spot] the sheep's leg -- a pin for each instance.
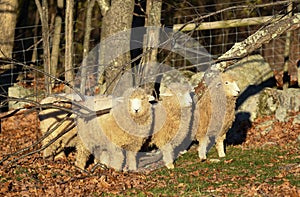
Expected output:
(116, 159)
(82, 156)
(168, 156)
(104, 158)
(220, 146)
(131, 160)
(203, 143)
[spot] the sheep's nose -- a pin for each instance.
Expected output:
(136, 110)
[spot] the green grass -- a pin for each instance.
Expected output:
(240, 168)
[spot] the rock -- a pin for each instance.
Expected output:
(296, 120)
(252, 74)
(250, 106)
(267, 126)
(21, 92)
(279, 102)
(267, 105)
(251, 70)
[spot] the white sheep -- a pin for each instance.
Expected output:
(215, 111)
(116, 138)
(56, 121)
(175, 134)
(122, 132)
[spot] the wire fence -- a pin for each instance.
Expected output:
(219, 32)
(216, 33)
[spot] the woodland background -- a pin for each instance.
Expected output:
(43, 43)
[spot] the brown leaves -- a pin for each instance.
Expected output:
(6, 187)
(34, 176)
(276, 133)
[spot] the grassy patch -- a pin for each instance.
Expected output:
(242, 168)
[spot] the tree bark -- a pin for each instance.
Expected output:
(153, 17)
(55, 46)
(43, 11)
(118, 18)
(8, 20)
(255, 41)
(69, 75)
(151, 39)
(86, 44)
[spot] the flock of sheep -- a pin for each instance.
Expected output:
(136, 123)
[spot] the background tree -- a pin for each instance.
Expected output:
(8, 21)
(118, 18)
(56, 41)
(69, 75)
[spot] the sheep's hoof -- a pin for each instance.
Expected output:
(170, 166)
(222, 155)
(202, 159)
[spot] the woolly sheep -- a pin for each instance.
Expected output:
(51, 118)
(122, 131)
(175, 133)
(134, 121)
(215, 112)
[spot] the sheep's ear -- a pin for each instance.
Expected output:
(151, 98)
(218, 84)
(119, 99)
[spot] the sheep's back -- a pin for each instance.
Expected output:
(118, 136)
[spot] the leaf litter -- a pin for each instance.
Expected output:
(35, 176)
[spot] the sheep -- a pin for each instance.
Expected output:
(174, 135)
(215, 111)
(121, 132)
(50, 119)
(134, 121)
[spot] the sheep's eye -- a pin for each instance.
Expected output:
(226, 82)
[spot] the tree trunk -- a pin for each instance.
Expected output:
(55, 46)
(43, 11)
(151, 39)
(69, 75)
(8, 20)
(118, 18)
(86, 45)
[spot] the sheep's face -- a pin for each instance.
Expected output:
(231, 88)
(138, 103)
(184, 98)
(181, 91)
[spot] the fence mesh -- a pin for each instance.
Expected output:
(28, 50)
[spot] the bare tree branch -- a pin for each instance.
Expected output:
(255, 41)
(104, 6)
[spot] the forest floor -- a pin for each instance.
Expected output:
(265, 163)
